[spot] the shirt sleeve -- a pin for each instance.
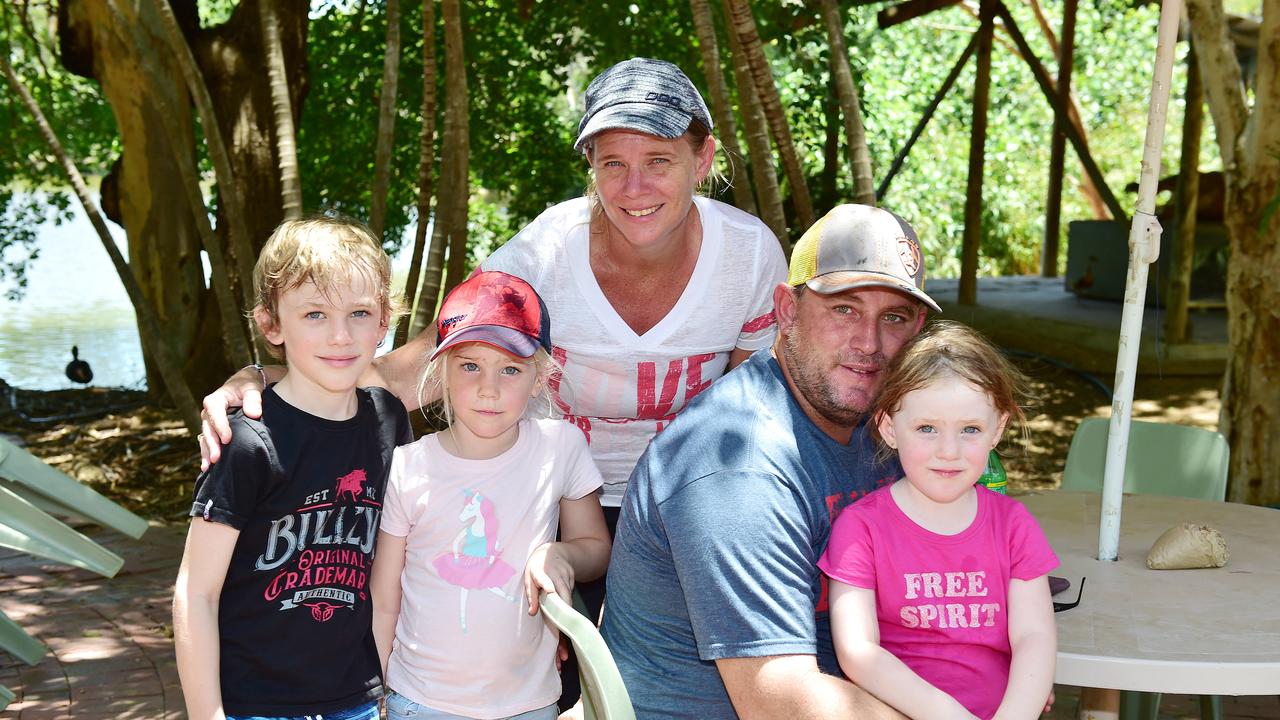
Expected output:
(395, 518)
(582, 477)
(228, 491)
(1030, 553)
(850, 555)
(746, 562)
(516, 256)
(760, 326)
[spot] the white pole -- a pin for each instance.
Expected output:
(1144, 248)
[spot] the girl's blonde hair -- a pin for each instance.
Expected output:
(949, 349)
(326, 251)
(435, 376)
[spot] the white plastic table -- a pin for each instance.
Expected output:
(1209, 631)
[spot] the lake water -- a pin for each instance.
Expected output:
(75, 297)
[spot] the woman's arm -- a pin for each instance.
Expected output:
(856, 633)
(1033, 637)
(581, 554)
(384, 585)
(195, 615)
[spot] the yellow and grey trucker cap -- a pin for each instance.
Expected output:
(857, 246)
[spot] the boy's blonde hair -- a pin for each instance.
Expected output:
(949, 349)
(326, 251)
(436, 377)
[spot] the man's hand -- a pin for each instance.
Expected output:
(244, 389)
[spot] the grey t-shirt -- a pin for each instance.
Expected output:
(721, 529)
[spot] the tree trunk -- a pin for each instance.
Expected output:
(704, 25)
(231, 58)
(967, 292)
(386, 122)
(426, 166)
(1088, 190)
(855, 134)
(455, 191)
(164, 245)
(1186, 204)
(1247, 142)
(763, 171)
(153, 337)
(242, 254)
(1058, 141)
(286, 134)
(744, 24)
(174, 111)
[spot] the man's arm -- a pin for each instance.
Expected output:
(792, 686)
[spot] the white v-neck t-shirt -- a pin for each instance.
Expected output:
(621, 388)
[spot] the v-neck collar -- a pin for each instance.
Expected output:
(579, 250)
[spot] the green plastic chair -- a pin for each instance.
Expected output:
(1163, 459)
(604, 697)
(54, 492)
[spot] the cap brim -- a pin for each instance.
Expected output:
(642, 117)
(503, 338)
(834, 282)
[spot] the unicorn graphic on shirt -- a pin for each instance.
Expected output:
(474, 561)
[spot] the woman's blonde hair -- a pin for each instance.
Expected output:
(327, 251)
(435, 376)
(949, 349)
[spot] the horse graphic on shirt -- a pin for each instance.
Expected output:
(350, 484)
(474, 560)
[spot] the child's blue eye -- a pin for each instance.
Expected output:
(511, 370)
(972, 430)
(925, 429)
(361, 313)
(470, 367)
(315, 315)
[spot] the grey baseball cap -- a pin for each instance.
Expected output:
(648, 96)
(857, 246)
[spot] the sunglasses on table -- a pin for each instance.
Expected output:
(1060, 606)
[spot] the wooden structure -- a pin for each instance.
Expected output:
(1057, 92)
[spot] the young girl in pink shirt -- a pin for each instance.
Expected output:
(471, 512)
(940, 600)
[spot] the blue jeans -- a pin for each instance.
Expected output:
(367, 711)
(400, 707)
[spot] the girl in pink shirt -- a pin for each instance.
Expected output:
(940, 602)
(470, 516)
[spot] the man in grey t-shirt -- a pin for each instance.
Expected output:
(716, 606)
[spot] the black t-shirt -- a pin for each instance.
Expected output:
(306, 495)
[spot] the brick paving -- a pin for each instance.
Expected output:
(111, 641)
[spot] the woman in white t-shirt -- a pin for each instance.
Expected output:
(655, 292)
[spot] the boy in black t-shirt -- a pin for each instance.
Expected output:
(271, 609)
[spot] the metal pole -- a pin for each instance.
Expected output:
(1144, 248)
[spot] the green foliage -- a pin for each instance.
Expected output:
(528, 63)
(82, 121)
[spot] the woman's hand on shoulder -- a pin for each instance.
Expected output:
(242, 390)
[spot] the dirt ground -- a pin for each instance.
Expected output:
(140, 455)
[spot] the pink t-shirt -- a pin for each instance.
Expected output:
(465, 642)
(941, 599)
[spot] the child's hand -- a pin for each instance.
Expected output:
(548, 569)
